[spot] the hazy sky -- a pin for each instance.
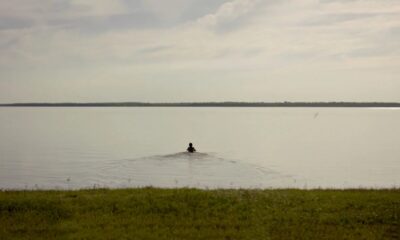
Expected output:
(199, 50)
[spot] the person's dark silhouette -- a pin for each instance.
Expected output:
(191, 149)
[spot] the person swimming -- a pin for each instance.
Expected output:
(191, 149)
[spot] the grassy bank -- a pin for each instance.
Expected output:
(196, 214)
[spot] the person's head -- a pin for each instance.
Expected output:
(190, 145)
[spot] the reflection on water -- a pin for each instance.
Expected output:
(74, 148)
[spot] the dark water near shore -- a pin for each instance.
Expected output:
(73, 148)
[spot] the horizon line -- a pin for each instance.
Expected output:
(203, 104)
(228, 101)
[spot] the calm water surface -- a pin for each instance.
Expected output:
(69, 148)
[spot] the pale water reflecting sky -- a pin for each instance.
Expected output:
(238, 147)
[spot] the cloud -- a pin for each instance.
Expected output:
(229, 12)
(97, 7)
(34, 9)
(261, 46)
(276, 30)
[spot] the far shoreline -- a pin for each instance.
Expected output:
(216, 104)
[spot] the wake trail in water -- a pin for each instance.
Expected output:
(200, 170)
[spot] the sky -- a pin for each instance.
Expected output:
(199, 50)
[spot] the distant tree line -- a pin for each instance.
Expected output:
(209, 104)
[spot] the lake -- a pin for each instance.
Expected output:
(72, 148)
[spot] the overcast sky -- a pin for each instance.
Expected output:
(199, 50)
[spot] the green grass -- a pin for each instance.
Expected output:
(151, 213)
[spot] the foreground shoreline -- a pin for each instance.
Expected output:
(153, 213)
